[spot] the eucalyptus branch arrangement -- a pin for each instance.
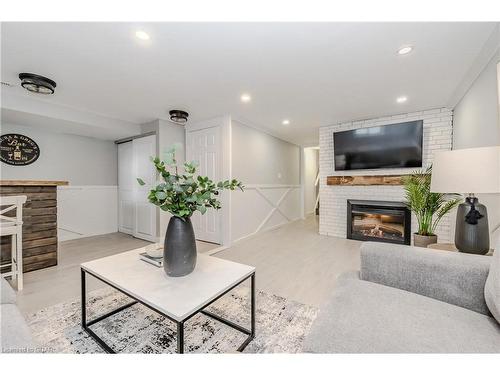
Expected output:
(429, 208)
(182, 194)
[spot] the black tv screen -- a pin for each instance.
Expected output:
(387, 146)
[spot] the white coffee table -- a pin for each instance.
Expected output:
(176, 298)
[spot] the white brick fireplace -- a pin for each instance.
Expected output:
(333, 199)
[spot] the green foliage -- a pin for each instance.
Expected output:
(183, 194)
(429, 208)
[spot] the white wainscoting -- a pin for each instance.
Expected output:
(84, 211)
(263, 207)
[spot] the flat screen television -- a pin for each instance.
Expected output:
(387, 146)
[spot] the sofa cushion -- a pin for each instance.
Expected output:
(15, 336)
(8, 295)
(364, 317)
(492, 286)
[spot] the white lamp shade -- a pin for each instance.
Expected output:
(471, 170)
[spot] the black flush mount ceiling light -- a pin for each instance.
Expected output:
(178, 116)
(37, 84)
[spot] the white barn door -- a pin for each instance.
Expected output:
(203, 146)
(126, 201)
(145, 212)
(136, 216)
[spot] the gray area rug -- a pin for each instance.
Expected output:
(281, 326)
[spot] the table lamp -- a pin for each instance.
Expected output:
(469, 171)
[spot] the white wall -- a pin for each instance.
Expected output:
(84, 211)
(333, 199)
(168, 134)
(311, 167)
(270, 170)
(259, 158)
(79, 160)
(476, 124)
(475, 118)
(88, 206)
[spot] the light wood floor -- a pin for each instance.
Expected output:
(293, 261)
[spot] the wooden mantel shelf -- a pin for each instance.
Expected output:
(364, 180)
(32, 183)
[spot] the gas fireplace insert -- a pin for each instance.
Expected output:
(378, 221)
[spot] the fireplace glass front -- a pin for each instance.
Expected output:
(378, 221)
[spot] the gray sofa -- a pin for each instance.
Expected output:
(412, 300)
(15, 336)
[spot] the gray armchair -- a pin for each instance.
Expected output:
(412, 300)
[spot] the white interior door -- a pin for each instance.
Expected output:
(145, 212)
(203, 146)
(126, 200)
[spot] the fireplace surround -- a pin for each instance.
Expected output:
(438, 136)
(381, 221)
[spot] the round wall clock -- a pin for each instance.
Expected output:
(18, 149)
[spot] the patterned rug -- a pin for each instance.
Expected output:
(281, 326)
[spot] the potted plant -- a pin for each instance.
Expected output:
(182, 194)
(429, 208)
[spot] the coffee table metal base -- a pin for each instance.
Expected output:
(180, 324)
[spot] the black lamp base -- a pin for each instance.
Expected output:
(472, 234)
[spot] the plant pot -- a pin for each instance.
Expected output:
(179, 254)
(424, 241)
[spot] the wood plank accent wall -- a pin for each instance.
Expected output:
(39, 227)
(364, 180)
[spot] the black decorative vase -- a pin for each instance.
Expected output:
(179, 254)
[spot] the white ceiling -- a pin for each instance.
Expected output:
(311, 73)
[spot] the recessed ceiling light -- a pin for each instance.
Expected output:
(142, 35)
(405, 50)
(285, 122)
(401, 99)
(245, 98)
